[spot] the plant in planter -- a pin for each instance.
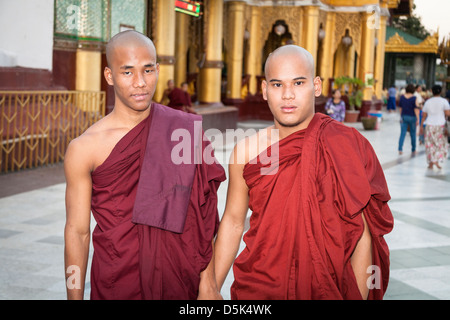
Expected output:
(353, 88)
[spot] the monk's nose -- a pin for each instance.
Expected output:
(288, 93)
(140, 81)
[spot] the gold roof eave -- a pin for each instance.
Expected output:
(397, 43)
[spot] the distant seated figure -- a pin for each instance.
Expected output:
(178, 99)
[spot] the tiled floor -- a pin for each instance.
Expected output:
(32, 220)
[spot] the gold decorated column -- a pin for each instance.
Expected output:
(379, 61)
(350, 60)
(181, 47)
(211, 72)
(253, 67)
(311, 29)
(367, 53)
(326, 64)
(88, 70)
(165, 44)
(235, 53)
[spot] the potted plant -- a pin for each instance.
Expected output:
(352, 87)
(369, 123)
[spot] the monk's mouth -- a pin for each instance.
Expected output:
(140, 96)
(288, 109)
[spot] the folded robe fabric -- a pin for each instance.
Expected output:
(165, 185)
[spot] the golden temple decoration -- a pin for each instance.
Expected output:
(352, 22)
(444, 51)
(397, 43)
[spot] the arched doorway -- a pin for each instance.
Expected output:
(345, 57)
(279, 36)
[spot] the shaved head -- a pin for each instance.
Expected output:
(290, 52)
(132, 69)
(290, 88)
(129, 38)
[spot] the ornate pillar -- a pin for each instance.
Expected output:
(181, 47)
(210, 77)
(254, 63)
(88, 70)
(379, 61)
(418, 66)
(165, 44)
(235, 52)
(326, 64)
(311, 29)
(350, 60)
(367, 53)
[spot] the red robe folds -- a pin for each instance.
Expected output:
(137, 261)
(306, 218)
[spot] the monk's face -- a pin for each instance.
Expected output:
(290, 89)
(133, 72)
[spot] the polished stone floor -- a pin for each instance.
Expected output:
(32, 217)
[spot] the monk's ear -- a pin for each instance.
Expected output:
(317, 86)
(108, 76)
(264, 89)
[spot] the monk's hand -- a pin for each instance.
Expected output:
(209, 294)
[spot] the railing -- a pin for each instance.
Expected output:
(37, 126)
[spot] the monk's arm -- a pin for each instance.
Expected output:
(77, 228)
(361, 260)
(233, 221)
(208, 287)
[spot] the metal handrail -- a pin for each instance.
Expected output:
(37, 126)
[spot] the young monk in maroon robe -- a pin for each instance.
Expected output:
(318, 215)
(179, 99)
(155, 220)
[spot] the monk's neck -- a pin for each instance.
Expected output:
(284, 131)
(129, 117)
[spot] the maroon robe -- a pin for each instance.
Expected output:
(137, 261)
(178, 99)
(306, 218)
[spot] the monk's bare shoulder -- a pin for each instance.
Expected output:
(86, 150)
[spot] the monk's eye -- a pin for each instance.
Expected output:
(277, 85)
(126, 73)
(148, 71)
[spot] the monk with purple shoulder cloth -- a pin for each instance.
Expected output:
(155, 219)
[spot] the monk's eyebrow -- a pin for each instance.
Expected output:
(148, 65)
(295, 79)
(126, 67)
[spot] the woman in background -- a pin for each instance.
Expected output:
(409, 114)
(435, 111)
(335, 106)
